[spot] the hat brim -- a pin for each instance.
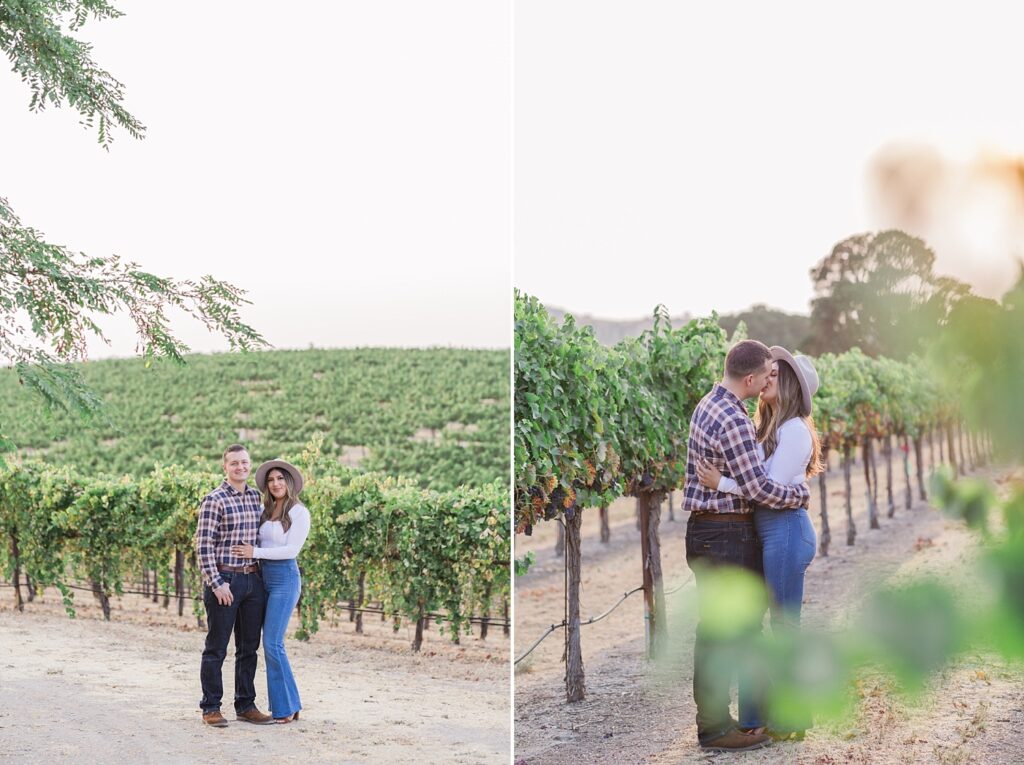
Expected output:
(266, 467)
(781, 354)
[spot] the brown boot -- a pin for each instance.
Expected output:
(254, 716)
(736, 741)
(215, 718)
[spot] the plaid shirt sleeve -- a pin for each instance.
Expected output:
(743, 463)
(211, 511)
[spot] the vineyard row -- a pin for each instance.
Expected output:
(593, 423)
(374, 538)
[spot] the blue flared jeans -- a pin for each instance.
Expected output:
(281, 579)
(787, 543)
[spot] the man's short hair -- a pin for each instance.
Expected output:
(232, 449)
(747, 357)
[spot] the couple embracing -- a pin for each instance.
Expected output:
(247, 541)
(746, 490)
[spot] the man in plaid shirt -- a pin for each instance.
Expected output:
(720, 530)
(234, 596)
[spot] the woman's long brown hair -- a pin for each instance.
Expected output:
(788, 404)
(291, 499)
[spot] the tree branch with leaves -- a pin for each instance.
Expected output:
(50, 296)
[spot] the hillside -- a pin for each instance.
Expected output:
(438, 415)
(768, 325)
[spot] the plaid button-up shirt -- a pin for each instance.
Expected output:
(722, 433)
(226, 517)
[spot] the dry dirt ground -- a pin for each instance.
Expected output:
(127, 691)
(634, 713)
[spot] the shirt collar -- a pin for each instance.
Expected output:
(722, 392)
(232, 489)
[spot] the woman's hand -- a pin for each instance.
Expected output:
(708, 474)
(241, 551)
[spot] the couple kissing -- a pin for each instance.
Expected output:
(746, 491)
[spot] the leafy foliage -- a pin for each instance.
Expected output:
(58, 68)
(593, 423)
(417, 551)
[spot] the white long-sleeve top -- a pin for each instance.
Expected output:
(788, 463)
(277, 544)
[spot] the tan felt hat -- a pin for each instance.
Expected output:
(266, 467)
(805, 372)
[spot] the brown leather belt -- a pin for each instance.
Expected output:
(724, 517)
(250, 569)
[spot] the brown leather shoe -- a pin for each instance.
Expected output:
(736, 741)
(215, 718)
(255, 716)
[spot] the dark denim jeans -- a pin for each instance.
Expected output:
(712, 545)
(244, 617)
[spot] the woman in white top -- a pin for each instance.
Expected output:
(789, 444)
(284, 527)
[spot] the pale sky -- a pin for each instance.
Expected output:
(348, 163)
(706, 155)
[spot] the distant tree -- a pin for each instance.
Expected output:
(769, 325)
(50, 297)
(879, 292)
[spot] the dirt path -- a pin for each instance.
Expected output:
(636, 714)
(127, 691)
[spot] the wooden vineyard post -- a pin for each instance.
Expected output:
(575, 685)
(931, 447)
(671, 509)
(869, 494)
(101, 596)
(891, 509)
(906, 472)
(179, 579)
(851, 527)
(874, 474)
(941, 439)
(560, 542)
(923, 495)
(417, 640)
(168, 581)
(362, 602)
(487, 612)
(650, 553)
(16, 560)
(606, 530)
(156, 587)
(826, 535)
(30, 585)
(507, 628)
(952, 452)
(965, 458)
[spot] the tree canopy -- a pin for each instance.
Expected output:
(51, 296)
(879, 292)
